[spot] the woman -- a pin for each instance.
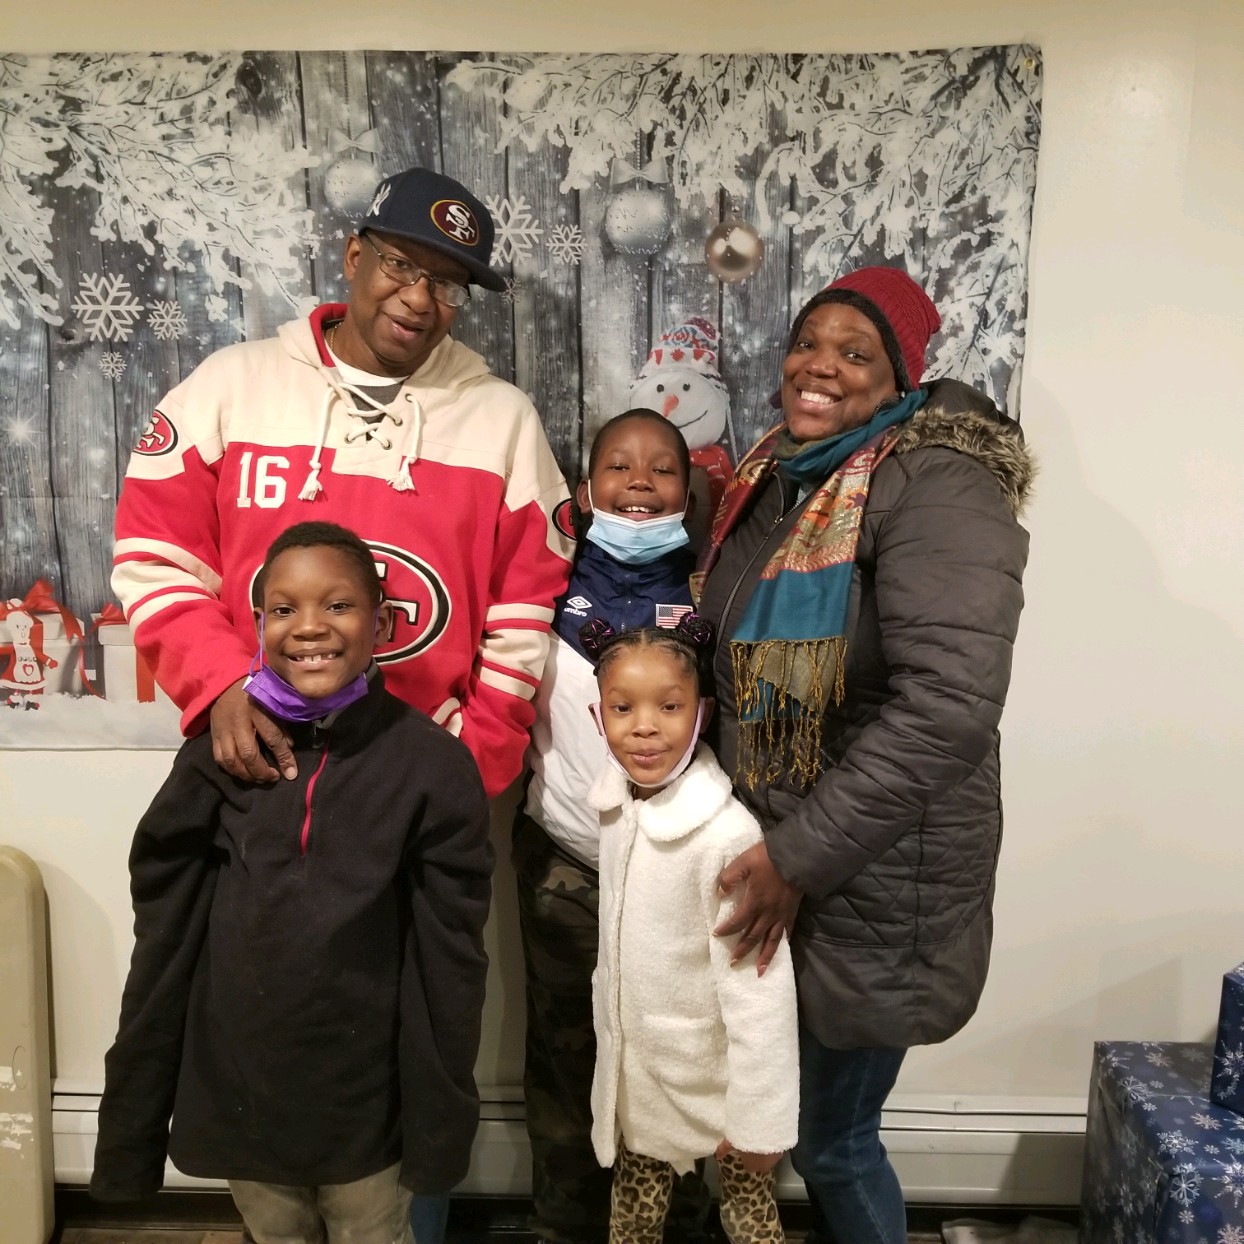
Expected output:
(864, 576)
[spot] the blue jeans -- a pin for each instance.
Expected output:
(854, 1192)
(428, 1216)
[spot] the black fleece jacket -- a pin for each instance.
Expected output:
(307, 980)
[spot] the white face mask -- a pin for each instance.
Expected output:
(636, 541)
(675, 772)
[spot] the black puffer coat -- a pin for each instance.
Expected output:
(896, 845)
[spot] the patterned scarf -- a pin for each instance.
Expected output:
(789, 649)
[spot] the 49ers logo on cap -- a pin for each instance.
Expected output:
(456, 220)
(420, 603)
(159, 437)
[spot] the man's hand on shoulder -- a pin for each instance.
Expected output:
(238, 725)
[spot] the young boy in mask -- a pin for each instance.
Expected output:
(307, 979)
(632, 568)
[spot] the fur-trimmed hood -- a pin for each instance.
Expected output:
(958, 417)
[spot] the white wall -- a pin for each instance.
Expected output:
(1120, 896)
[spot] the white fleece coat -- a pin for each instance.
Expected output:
(690, 1050)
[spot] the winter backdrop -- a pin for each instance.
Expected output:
(154, 207)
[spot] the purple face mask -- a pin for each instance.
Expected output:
(274, 695)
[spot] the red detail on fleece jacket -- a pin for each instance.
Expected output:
(305, 836)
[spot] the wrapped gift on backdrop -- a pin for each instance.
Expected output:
(1226, 1084)
(1162, 1163)
(40, 646)
(126, 676)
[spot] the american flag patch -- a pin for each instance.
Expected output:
(668, 615)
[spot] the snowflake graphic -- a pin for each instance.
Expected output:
(107, 307)
(1207, 1121)
(1231, 1235)
(509, 295)
(1185, 1185)
(567, 244)
(1186, 1216)
(1159, 1058)
(167, 320)
(517, 229)
(112, 365)
(1232, 1179)
(1230, 1070)
(1175, 1142)
(1233, 1144)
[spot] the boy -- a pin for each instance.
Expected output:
(632, 567)
(308, 975)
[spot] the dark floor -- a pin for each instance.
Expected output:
(209, 1218)
(143, 1235)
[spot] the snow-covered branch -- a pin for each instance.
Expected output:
(151, 136)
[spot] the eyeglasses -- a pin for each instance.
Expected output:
(445, 291)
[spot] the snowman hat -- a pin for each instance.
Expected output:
(691, 346)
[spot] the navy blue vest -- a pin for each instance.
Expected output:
(655, 594)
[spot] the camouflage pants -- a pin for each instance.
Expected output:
(558, 907)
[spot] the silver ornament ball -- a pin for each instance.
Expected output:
(638, 220)
(349, 183)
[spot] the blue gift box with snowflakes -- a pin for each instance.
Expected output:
(1163, 1164)
(1226, 1085)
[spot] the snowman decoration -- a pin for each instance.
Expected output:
(681, 381)
(24, 659)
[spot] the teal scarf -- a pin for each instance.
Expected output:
(789, 649)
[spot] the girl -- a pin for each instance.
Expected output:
(695, 1055)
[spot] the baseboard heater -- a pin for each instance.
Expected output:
(960, 1151)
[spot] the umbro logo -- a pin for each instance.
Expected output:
(579, 602)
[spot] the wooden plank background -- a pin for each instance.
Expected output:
(571, 335)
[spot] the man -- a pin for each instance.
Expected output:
(369, 415)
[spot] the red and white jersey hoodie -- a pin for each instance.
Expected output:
(452, 484)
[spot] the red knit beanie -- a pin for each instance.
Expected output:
(906, 308)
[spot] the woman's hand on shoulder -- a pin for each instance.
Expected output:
(755, 1163)
(766, 911)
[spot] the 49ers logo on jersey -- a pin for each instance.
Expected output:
(159, 437)
(563, 519)
(420, 603)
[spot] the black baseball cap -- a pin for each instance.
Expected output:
(437, 212)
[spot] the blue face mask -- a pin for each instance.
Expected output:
(636, 541)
